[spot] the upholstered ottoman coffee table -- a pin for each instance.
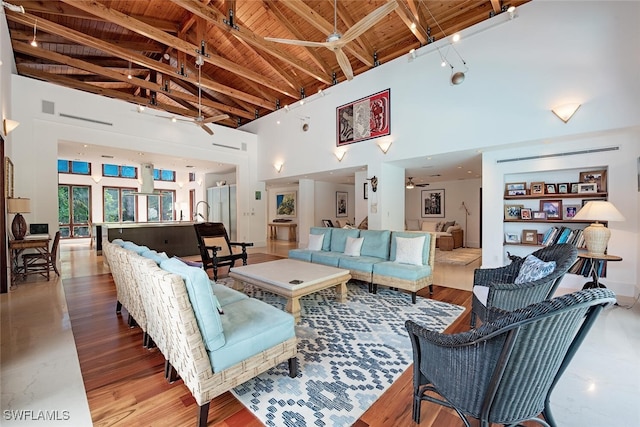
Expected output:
(292, 279)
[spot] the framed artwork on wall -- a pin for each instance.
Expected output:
(286, 204)
(342, 198)
(366, 118)
(8, 178)
(432, 203)
(366, 190)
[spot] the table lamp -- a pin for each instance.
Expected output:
(18, 206)
(596, 235)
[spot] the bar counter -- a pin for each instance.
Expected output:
(176, 238)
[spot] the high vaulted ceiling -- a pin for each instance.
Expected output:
(145, 51)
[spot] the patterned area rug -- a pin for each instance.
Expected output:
(349, 354)
(460, 256)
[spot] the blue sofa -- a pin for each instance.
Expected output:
(378, 263)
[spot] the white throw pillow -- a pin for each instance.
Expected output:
(353, 246)
(409, 250)
(315, 242)
(533, 269)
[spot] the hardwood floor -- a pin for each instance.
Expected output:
(125, 384)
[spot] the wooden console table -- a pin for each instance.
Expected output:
(273, 230)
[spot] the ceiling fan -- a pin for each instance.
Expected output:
(336, 41)
(410, 184)
(200, 120)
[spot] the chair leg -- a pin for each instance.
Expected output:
(430, 289)
(215, 273)
(118, 307)
(203, 415)
(413, 297)
(473, 320)
(171, 374)
(132, 322)
(416, 408)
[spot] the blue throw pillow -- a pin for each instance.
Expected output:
(533, 268)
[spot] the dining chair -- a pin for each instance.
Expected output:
(42, 262)
(216, 250)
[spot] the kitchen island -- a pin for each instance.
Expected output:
(176, 238)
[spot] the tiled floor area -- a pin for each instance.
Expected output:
(41, 379)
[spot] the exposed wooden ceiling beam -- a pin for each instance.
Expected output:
(120, 77)
(412, 23)
(141, 60)
(151, 32)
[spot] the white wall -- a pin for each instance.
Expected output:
(455, 192)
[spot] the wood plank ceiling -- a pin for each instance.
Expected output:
(145, 51)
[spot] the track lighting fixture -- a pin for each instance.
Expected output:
(13, 7)
(129, 76)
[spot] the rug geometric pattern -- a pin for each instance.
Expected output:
(348, 355)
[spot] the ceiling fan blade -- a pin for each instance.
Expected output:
(216, 118)
(297, 42)
(344, 63)
(206, 128)
(367, 22)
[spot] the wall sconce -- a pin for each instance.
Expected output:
(340, 154)
(278, 167)
(8, 125)
(199, 182)
(566, 111)
(96, 178)
(384, 146)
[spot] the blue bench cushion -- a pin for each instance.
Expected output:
(118, 242)
(204, 302)
(361, 263)
(326, 258)
(301, 254)
(339, 238)
(326, 242)
(250, 326)
(226, 295)
(425, 248)
(376, 243)
(402, 271)
(135, 248)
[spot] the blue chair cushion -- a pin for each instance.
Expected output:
(118, 242)
(155, 256)
(326, 242)
(339, 238)
(301, 254)
(376, 243)
(204, 302)
(327, 258)
(135, 248)
(250, 326)
(226, 295)
(361, 263)
(425, 248)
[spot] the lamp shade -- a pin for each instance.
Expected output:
(18, 205)
(596, 236)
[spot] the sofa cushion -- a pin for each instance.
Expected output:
(135, 248)
(533, 268)
(301, 254)
(327, 258)
(402, 271)
(409, 251)
(353, 245)
(339, 238)
(155, 256)
(250, 326)
(326, 232)
(376, 243)
(413, 225)
(446, 225)
(226, 295)
(204, 302)
(425, 249)
(361, 263)
(315, 242)
(481, 293)
(118, 242)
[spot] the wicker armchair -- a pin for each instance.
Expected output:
(505, 295)
(504, 371)
(216, 249)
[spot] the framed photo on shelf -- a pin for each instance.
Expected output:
(539, 215)
(511, 238)
(515, 189)
(530, 237)
(540, 238)
(537, 188)
(525, 213)
(570, 211)
(563, 188)
(550, 188)
(585, 201)
(553, 208)
(512, 211)
(341, 203)
(327, 223)
(590, 187)
(574, 187)
(598, 177)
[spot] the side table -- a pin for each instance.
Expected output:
(593, 271)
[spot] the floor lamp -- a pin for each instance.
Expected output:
(466, 214)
